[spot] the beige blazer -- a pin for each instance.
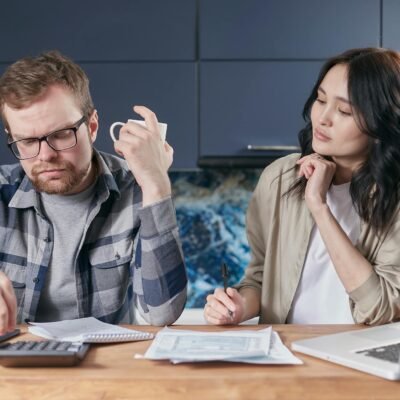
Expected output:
(278, 231)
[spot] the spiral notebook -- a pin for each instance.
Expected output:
(86, 330)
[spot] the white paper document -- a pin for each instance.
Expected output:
(88, 330)
(247, 346)
(278, 354)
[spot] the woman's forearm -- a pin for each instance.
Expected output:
(351, 266)
(252, 302)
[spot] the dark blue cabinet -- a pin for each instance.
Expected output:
(290, 29)
(6, 156)
(252, 104)
(167, 88)
(134, 52)
(259, 61)
(224, 74)
(391, 24)
(100, 30)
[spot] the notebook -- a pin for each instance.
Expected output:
(86, 330)
(373, 350)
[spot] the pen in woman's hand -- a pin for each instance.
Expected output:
(224, 273)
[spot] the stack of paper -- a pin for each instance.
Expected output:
(257, 347)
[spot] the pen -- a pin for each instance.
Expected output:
(224, 273)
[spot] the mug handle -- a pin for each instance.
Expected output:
(112, 130)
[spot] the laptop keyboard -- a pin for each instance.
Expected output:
(388, 353)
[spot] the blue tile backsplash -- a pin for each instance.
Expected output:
(211, 211)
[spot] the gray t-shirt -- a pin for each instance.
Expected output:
(67, 215)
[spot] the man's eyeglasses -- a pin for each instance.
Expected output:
(59, 140)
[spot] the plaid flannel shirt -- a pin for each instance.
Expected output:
(130, 257)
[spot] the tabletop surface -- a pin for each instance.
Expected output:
(110, 371)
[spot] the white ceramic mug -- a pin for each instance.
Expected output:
(161, 126)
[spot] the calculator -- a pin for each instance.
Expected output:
(47, 353)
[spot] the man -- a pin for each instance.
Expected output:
(82, 233)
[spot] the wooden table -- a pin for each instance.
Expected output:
(111, 372)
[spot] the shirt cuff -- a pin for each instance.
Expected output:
(366, 295)
(157, 218)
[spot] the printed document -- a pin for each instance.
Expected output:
(247, 346)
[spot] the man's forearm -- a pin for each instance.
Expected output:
(160, 275)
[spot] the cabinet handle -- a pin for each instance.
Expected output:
(252, 147)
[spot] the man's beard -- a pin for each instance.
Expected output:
(70, 179)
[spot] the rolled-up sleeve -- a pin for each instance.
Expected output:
(377, 300)
(159, 273)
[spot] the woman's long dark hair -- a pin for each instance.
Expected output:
(374, 93)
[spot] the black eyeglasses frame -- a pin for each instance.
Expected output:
(75, 127)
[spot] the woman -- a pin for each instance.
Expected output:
(324, 227)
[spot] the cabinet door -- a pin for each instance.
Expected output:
(167, 88)
(391, 24)
(6, 156)
(252, 103)
(259, 29)
(99, 30)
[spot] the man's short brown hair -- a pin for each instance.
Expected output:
(29, 78)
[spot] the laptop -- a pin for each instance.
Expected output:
(373, 350)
